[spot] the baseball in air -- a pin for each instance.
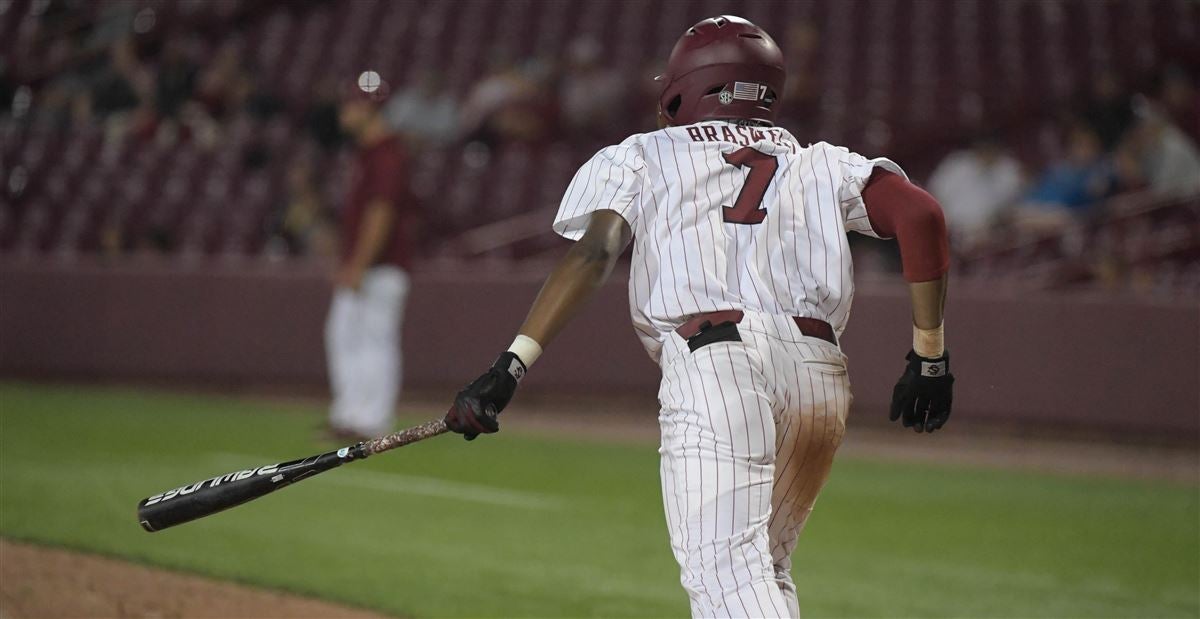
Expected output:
(369, 81)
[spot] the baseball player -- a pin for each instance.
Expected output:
(740, 288)
(362, 331)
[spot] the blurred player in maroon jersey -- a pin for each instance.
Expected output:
(362, 333)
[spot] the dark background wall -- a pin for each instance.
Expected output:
(1105, 364)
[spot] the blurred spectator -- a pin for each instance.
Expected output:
(224, 85)
(1108, 111)
(1069, 186)
(112, 241)
(57, 100)
(303, 227)
(117, 85)
(8, 89)
(157, 239)
(493, 91)
(175, 79)
(1177, 94)
(514, 103)
(262, 103)
(1160, 156)
(426, 111)
(321, 119)
(802, 96)
(111, 24)
(123, 94)
(81, 112)
(974, 185)
(590, 93)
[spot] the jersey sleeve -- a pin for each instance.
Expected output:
(610, 180)
(856, 171)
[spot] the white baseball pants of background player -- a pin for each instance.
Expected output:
(362, 346)
(749, 430)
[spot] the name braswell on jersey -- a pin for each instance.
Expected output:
(728, 217)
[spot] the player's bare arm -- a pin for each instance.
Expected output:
(923, 396)
(373, 237)
(585, 267)
(928, 303)
(569, 287)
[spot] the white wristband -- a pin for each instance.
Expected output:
(527, 349)
(929, 343)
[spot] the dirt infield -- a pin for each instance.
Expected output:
(41, 582)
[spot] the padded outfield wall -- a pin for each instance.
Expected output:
(1104, 364)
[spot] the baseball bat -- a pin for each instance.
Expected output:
(207, 497)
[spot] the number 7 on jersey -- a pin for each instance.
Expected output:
(747, 208)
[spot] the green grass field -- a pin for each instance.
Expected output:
(529, 525)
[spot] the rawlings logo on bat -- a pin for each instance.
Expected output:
(212, 483)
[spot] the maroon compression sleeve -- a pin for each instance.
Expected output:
(900, 209)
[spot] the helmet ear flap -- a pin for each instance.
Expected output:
(673, 106)
(668, 108)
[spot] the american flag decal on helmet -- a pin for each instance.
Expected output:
(748, 91)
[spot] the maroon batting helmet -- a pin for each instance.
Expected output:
(722, 68)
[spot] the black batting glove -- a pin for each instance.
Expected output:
(475, 407)
(924, 393)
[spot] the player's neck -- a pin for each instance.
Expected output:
(374, 132)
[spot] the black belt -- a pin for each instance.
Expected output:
(703, 329)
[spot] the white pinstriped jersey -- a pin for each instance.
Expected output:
(719, 226)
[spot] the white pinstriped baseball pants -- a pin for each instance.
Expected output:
(749, 430)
